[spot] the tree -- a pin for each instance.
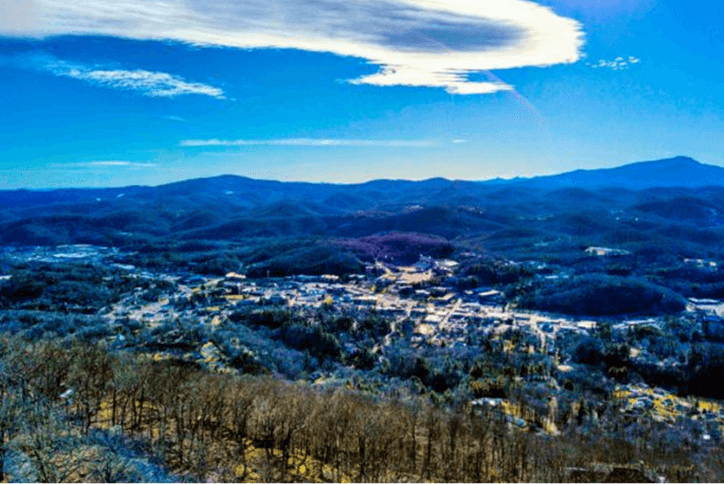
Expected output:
(90, 375)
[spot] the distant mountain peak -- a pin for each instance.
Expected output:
(685, 159)
(675, 162)
(679, 171)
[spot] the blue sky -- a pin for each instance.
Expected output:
(112, 93)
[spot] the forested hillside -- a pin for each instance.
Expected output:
(133, 414)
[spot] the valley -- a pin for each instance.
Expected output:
(585, 319)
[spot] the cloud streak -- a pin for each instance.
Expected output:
(104, 164)
(430, 43)
(147, 83)
(120, 163)
(311, 142)
(618, 64)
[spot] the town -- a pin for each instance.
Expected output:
(424, 309)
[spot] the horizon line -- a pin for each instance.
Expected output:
(486, 180)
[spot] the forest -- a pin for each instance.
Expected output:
(77, 412)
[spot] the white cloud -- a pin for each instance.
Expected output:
(309, 142)
(148, 83)
(433, 43)
(458, 141)
(154, 84)
(618, 64)
(17, 16)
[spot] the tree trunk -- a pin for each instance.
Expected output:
(114, 407)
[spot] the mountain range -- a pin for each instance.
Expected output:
(583, 203)
(680, 171)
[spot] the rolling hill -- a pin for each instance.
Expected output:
(674, 201)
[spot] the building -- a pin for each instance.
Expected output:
(605, 251)
(365, 300)
(701, 263)
(445, 266)
(424, 264)
(490, 297)
(235, 275)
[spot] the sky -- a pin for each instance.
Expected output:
(145, 92)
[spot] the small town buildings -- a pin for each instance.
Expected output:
(365, 300)
(605, 251)
(701, 263)
(235, 275)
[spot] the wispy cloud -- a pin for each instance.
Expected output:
(309, 142)
(618, 64)
(432, 43)
(106, 163)
(148, 83)
(458, 141)
(120, 163)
